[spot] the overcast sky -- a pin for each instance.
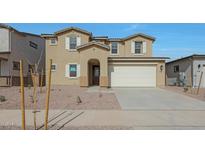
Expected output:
(172, 40)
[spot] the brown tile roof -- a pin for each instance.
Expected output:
(94, 43)
(139, 34)
(73, 28)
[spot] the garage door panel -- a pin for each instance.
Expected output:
(132, 76)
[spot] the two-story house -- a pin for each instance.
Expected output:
(16, 46)
(79, 58)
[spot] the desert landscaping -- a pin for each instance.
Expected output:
(62, 97)
(191, 92)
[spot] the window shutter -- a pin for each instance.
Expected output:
(144, 47)
(67, 73)
(78, 41)
(78, 70)
(132, 47)
(67, 43)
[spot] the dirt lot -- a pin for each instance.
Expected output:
(62, 97)
(190, 92)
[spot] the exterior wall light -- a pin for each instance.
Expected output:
(199, 66)
(161, 68)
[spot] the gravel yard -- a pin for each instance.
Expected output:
(190, 92)
(62, 97)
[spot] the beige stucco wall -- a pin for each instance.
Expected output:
(161, 78)
(100, 54)
(125, 47)
(61, 57)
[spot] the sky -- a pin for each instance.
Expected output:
(172, 40)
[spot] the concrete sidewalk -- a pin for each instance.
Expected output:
(108, 119)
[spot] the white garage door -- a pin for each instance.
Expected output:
(132, 76)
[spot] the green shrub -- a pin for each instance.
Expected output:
(2, 99)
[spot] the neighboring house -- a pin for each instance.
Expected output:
(81, 59)
(14, 46)
(186, 70)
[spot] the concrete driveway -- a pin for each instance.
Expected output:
(155, 99)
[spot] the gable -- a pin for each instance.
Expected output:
(72, 29)
(140, 35)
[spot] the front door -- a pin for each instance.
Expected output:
(96, 75)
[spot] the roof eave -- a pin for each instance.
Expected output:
(140, 34)
(48, 35)
(73, 28)
(187, 57)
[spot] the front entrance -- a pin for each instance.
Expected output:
(96, 74)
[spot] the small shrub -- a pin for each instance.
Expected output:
(2, 99)
(186, 89)
(29, 86)
(78, 100)
(31, 99)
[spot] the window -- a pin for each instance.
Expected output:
(16, 65)
(176, 68)
(73, 42)
(33, 45)
(114, 48)
(53, 67)
(138, 47)
(73, 70)
(53, 41)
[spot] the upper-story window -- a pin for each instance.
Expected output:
(53, 41)
(33, 45)
(176, 68)
(138, 47)
(73, 42)
(114, 47)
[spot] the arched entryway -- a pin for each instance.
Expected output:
(94, 72)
